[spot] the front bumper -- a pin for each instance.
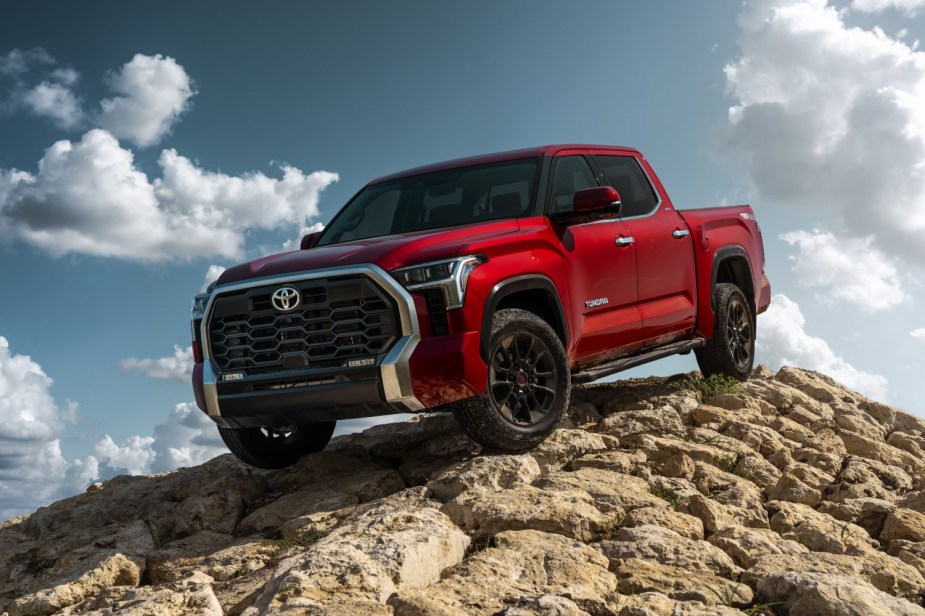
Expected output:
(305, 396)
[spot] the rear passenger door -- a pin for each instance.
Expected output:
(666, 285)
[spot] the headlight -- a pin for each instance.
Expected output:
(198, 307)
(450, 275)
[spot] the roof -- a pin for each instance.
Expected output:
(534, 152)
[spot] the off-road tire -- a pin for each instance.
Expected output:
(263, 448)
(731, 351)
(510, 427)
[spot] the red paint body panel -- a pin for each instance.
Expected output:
(616, 299)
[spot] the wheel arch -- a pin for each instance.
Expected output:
(731, 264)
(532, 292)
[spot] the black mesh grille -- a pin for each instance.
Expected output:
(337, 320)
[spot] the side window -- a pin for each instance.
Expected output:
(625, 174)
(572, 174)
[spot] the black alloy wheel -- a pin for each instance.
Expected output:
(731, 351)
(739, 334)
(277, 447)
(522, 378)
(527, 388)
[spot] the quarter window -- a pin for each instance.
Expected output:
(625, 174)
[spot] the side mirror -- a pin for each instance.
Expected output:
(309, 240)
(597, 200)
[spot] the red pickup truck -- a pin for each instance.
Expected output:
(485, 286)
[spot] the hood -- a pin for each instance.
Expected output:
(387, 252)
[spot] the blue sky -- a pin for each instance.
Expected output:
(142, 146)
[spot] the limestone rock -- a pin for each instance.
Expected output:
(717, 516)
(565, 445)
(667, 547)
(884, 572)
(826, 594)
(391, 546)
(522, 564)
(638, 576)
(904, 524)
(818, 531)
(491, 473)
(336, 492)
(661, 420)
(685, 525)
(612, 492)
(192, 596)
(868, 513)
(747, 545)
(117, 570)
(626, 462)
(568, 511)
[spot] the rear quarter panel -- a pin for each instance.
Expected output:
(720, 232)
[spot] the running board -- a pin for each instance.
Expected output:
(625, 363)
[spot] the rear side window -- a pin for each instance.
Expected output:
(625, 174)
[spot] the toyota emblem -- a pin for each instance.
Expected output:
(285, 299)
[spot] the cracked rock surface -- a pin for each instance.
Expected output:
(788, 494)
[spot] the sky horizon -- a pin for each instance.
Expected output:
(134, 169)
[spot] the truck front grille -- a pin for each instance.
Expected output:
(338, 320)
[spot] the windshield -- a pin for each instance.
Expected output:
(435, 200)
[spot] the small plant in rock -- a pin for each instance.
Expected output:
(480, 544)
(667, 494)
(728, 594)
(847, 533)
(704, 389)
(299, 542)
(762, 609)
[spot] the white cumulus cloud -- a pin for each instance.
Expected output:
(211, 276)
(918, 333)
(178, 366)
(187, 438)
(877, 6)
(133, 457)
(152, 93)
(32, 468)
(830, 120)
(88, 197)
(846, 269)
(783, 340)
(56, 101)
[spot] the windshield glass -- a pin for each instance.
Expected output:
(435, 200)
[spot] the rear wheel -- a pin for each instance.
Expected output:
(528, 384)
(732, 349)
(277, 447)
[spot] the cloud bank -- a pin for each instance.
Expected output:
(178, 366)
(89, 198)
(782, 340)
(830, 117)
(847, 270)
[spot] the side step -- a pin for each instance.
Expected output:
(625, 363)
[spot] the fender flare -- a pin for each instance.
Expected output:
(722, 254)
(510, 286)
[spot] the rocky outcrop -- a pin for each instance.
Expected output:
(789, 494)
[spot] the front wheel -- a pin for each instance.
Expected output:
(527, 392)
(732, 349)
(277, 447)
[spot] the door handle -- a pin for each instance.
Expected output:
(623, 242)
(680, 233)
